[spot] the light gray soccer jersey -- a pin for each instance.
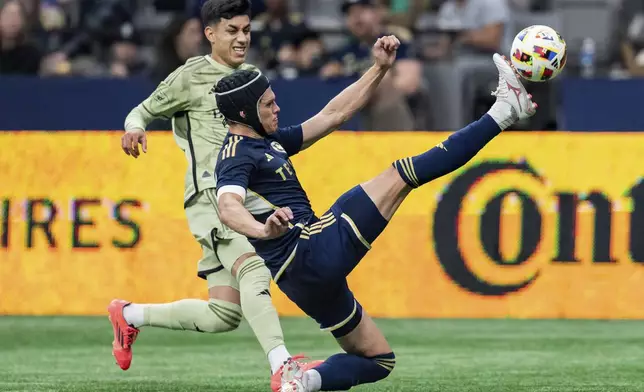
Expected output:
(186, 96)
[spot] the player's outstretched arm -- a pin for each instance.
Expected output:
(353, 98)
(234, 215)
(169, 98)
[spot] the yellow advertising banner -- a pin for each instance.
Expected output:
(538, 225)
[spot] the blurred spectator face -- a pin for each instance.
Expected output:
(230, 40)
(188, 42)
(125, 52)
(12, 20)
(310, 50)
(363, 21)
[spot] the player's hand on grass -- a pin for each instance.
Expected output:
(277, 224)
(131, 140)
(384, 50)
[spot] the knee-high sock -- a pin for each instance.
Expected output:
(449, 155)
(188, 314)
(341, 372)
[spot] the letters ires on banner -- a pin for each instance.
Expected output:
(39, 215)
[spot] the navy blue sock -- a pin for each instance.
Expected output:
(449, 155)
(340, 372)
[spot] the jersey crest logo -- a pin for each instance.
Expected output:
(278, 147)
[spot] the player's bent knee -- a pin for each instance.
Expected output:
(365, 339)
(224, 316)
(240, 261)
(224, 293)
(253, 272)
(348, 325)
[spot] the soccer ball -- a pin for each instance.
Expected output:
(538, 53)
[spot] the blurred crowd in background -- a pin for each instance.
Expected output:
(444, 57)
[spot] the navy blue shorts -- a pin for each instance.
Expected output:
(327, 251)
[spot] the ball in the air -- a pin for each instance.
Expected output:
(538, 53)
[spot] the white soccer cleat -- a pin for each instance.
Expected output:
(511, 90)
(292, 377)
(293, 386)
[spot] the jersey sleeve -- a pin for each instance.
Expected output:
(171, 96)
(291, 138)
(235, 165)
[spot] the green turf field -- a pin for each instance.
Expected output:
(73, 354)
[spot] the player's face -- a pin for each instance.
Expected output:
(268, 111)
(230, 40)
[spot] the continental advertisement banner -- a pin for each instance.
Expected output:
(538, 225)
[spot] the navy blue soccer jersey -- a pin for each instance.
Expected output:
(261, 172)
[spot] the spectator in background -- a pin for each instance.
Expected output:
(124, 54)
(310, 53)
(182, 40)
(276, 30)
(403, 12)
(257, 7)
(631, 36)
(32, 16)
(303, 57)
(390, 108)
(473, 26)
(18, 55)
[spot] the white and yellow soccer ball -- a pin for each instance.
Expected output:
(538, 53)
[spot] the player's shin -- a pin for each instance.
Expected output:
(457, 150)
(188, 314)
(254, 285)
(343, 371)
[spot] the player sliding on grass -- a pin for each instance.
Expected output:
(310, 257)
(238, 280)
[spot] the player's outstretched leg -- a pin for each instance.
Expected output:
(513, 103)
(212, 316)
(221, 313)
(368, 359)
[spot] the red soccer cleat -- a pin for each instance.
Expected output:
(276, 379)
(124, 334)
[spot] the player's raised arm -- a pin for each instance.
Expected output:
(169, 98)
(353, 98)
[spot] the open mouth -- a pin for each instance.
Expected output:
(240, 50)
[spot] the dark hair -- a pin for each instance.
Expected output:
(306, 35)
(214, 10)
